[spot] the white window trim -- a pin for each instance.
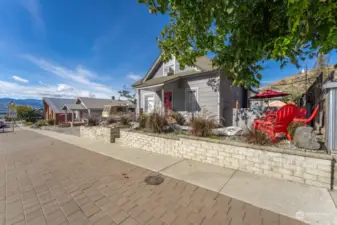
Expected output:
(154, 100)
(186, 95)
(174, 66)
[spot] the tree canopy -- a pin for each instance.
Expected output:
(26, 113)
(242, 34)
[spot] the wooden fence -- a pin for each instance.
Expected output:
(314, 96)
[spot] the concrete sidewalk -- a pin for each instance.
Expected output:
(310, 204)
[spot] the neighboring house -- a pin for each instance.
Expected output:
(52, 109)
(82, 108)
(190, 90)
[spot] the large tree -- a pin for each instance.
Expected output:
(242, 34)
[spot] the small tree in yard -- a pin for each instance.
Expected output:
(129, 94)
(242, 35)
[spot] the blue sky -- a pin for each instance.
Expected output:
(81, 47)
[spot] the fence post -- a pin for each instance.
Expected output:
(331, 132)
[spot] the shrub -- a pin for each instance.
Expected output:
(51, 122)
(142, 120)
(111, 120)
(124, 120)
(258, 137)
(28, 124)
(179, 118)
(41, 123)
(92, 121)
(156, 122)
(293, 126)
(202, 126)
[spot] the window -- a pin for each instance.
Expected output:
(191, 100)
(168, 70)
(169, 67)
(148, 103)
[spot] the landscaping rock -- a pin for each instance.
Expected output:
(305, 138)
(168, 129)
(228, 131)
(134, 125)
(178, 127)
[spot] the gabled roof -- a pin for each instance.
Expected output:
(204, 63)
(57, 103)
(73, 106)
(98, 103)
(166, 79)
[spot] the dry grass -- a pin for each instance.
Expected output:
(179, 118)
(202, 126)
(155, 122)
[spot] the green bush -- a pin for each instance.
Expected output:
(179, 118)
(28, 124)
(26, 113)
(41, 123)
(155, 122)
(293, 126)
(202, 126)
(92, 121)
(51, 122)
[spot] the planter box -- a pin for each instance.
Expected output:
(98, 133)
(302, 167)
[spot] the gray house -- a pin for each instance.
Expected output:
(192, 90)
(82, 108)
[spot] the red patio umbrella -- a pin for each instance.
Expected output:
(269, 94)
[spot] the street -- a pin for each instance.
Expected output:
(46, 181)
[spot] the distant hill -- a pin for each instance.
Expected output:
(34, 103)
(295, 84)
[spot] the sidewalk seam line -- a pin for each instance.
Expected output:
(170, 165)
(223, 186)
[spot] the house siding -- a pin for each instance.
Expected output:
(155, 93)
(229, 95)
(159, 72)
(207, 95)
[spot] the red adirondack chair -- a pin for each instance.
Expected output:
(302, 112)
(284, 116)
(306, 121)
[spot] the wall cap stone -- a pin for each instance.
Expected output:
(239, 144)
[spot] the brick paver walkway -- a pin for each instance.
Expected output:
(45, 181)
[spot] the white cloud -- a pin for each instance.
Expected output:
(64, 87)
(79, 75)
(34, 10)
(11, 89)
(133, 76)
(20, 79)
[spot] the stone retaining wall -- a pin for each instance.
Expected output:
(98, 133)
(302, 167)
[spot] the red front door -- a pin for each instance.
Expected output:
(168, 100)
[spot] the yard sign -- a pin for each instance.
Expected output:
(12, 112)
